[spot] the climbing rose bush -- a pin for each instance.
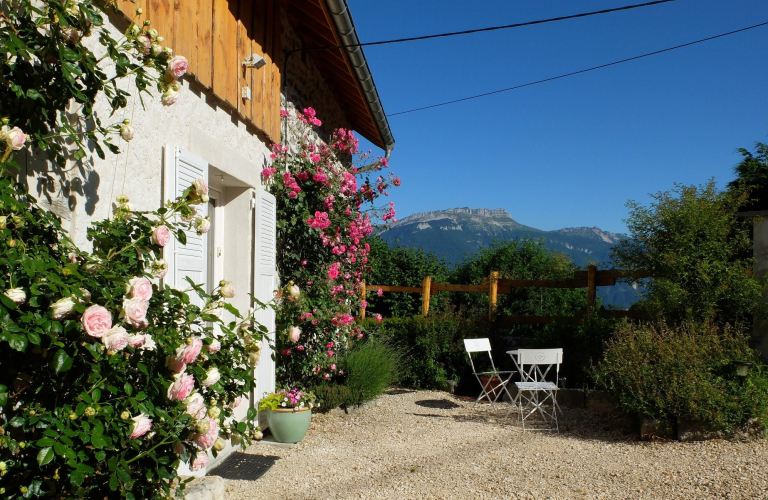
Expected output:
(107, 379)
(325, 206)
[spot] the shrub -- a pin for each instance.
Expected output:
(331, 396)
(371, 366)
(582, 345)
(657, 371)
(108, 381)
(432, 347)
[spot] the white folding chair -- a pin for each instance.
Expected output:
(496, 384)
(536, 391)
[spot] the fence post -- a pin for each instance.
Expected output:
(362, 299)
(493, 295)
(425, 295)
(591, 288)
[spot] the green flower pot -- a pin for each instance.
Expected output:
(289, 426)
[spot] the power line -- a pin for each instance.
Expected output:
(576, 72)
(481, 30)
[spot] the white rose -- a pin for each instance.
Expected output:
(294, 333)
(127, 133)
(211, 377)
(294, 292)
(17, 295)
(149, 343)
(202, 225)
(115, 339)
(63, 307)
(195, 406)
(227, 289)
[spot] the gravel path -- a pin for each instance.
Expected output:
(431, 445)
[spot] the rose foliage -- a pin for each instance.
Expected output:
(324, 209)
(108, 380)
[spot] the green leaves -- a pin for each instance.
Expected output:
(45, 456)
(62, 361)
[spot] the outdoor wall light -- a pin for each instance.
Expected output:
(254, 61)
(742, 367)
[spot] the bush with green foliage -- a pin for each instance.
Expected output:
(371, 366)
(685, 372)
(699, 254)
(402, 266)
(752, 177)
(582, 345)
(432, 348)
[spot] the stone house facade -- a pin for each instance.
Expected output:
(221, 129)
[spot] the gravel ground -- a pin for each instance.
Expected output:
(431, 445)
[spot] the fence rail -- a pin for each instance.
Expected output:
(589, 279)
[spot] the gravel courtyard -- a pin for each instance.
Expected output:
(426, 445)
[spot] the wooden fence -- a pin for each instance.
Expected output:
(589, 279)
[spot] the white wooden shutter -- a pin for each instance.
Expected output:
(182, 168)
(265, 277)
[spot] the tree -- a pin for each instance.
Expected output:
(697, 251)
(400, 266)
(520, 259)
(752, 177)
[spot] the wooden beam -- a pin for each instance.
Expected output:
(425, 295)
(493, 288)
(591, 288)
(572, 283)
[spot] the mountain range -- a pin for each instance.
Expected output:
(458, 232)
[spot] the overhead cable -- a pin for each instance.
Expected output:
(577, 72)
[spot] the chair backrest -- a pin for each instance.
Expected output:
(535, 359)
(477, 345)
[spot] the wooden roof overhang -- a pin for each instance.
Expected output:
(317, 30)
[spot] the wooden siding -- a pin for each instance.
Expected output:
(215, 36)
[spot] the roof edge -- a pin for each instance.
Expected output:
(345, 27)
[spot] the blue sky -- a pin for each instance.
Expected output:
(573, 151)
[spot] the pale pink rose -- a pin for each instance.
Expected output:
(202, 225)
(136, 341)
(177, 66)
(227, 289)
(145, 43)
(195, 406)
(140, 288)
(294, 333)
(149, 343)
(200, 187)
(159, 268)
(15, 138)
(169, 97)
(200, 462)
(294, 292)
(188, 353)
(135, 312)
(205, 441)
(141, 425)
(63, 307)
(17, 295)
(97, 321)
(211, 377)
(161, 236)
(213, 347)
(175, 364)
(127, 133)
(115, 339)
(236, 402)
(182, 385)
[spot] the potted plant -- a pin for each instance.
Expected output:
(289, 413)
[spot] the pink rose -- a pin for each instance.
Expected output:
(175, 364)
(200, 187)
(195, 406)
(187, 354)
(140, 288)
(141, 425)
(378, 318)
(213, 347)
(15, 138)
(97, 321)
(200, 462)
(236, 402)
(294, 333)
(207, 440)
(161, 236)
(177, 66)
(136, 341)
(135, 312)
(115, 339)
(182, 385)
(227, 289)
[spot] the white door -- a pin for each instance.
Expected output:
(181, 169)
(265, 276)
